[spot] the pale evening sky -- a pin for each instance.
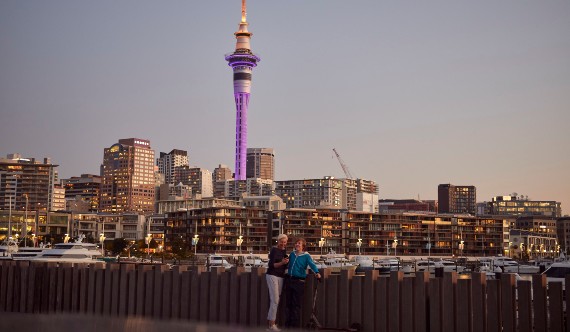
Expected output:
(411, 93)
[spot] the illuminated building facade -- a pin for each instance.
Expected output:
(128, 182)
(456, 199)
(517, 206)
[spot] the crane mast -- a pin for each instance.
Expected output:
(343, 165)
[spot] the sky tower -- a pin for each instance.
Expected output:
(242, 62)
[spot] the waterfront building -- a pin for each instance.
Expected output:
(260, 163)
(563, 233)
(26, 183)
(527, 244)
(242, 61)
(406, 205)
(85, 223)
(218, 229)
(34, 226)
(128, 181)
(198, 179)
(456, 199)
(129, 226)
(167, 163)
(82, 192)
(519, 205)
(400, 234)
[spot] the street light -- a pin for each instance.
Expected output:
(461, 247)
(359, 242)
(394, 245)
(102, 240)
(195, 239)
(239, 240)
(34, 239)
(66, 238)
(321, 245)
(147, 240)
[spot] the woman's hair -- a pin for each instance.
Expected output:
(282, 236)
(303, 242)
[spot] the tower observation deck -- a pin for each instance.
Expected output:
(242, 61)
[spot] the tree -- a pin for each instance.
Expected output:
(117, 246)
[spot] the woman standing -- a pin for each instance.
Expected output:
(299, 262)
(275, 273)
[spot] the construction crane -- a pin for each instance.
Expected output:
(343, 165)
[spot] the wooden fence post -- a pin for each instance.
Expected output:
(555, 308)
(449, 303)
(394, 301)
(524, 302)
(421, 301)
(368, 303)
(494, 306)
(479, 301)
(508, 302)
(539, 302)
(464, 309)
(407, 308)
(235, 291)
(434, 291)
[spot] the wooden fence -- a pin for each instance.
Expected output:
(394, 303)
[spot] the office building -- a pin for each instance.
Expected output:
(128, 181)
(167, 163)
(456, 199)
(82, 192)
(26, 183)
(518, 206)
(222, 173)
(311, 193)
(260, 163)
(198, 179)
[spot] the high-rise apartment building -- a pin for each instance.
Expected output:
(519, 206)
(26, 184)
(260, 163)
(456, 199)
(83, 191)
(167, 163)
(128, 182)
(242, 62)
(222, 173)
(311, 193)
(198, 179)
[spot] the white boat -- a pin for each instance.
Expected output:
(363, 263)
(24, 253)
(386, 265)
(72, 252)
(7, 249)
(336, 263)
(557, 272)
(217, 261)
(251, 261)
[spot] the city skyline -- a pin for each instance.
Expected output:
(412, 95)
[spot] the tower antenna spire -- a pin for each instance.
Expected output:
(243, 11)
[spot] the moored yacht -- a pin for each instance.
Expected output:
(72, 252)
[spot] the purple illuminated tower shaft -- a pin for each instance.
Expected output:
(242, 62)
